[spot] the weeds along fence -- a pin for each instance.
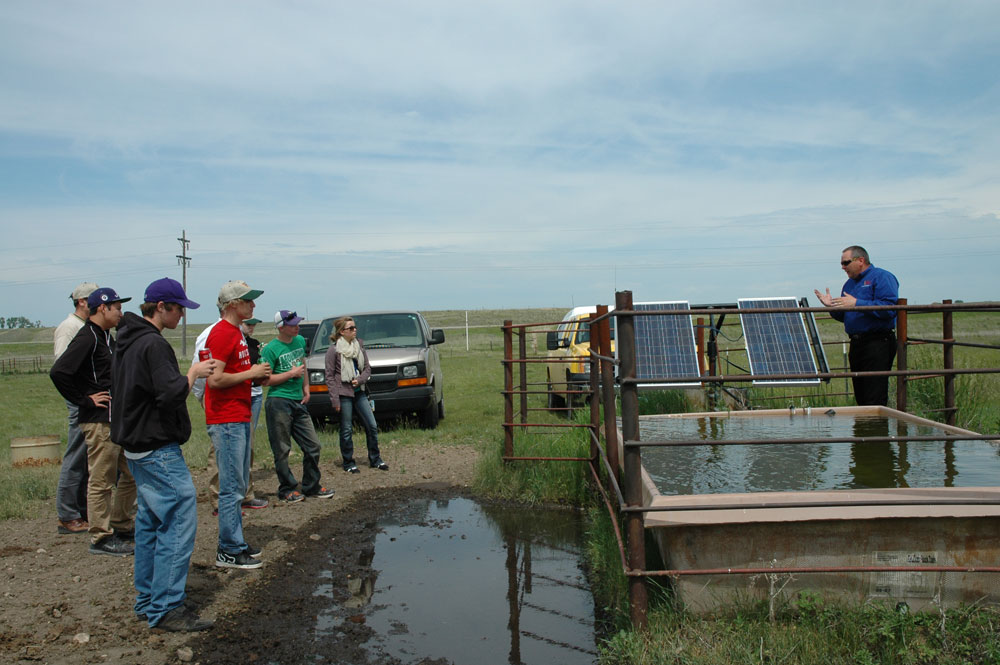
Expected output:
(613, 376)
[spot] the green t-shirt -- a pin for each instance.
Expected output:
(283, 357)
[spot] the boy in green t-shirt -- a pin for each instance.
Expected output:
(286, 413)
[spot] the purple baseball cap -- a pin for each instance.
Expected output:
(286, 317)
(169, 290)
(104, 296)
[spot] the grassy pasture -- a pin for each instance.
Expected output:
(473, 380)
(30, 405)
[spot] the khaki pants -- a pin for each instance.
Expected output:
(110, 489)
(213, 483)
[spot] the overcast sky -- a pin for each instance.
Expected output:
(464, 155)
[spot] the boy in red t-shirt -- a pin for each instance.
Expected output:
(227, 414)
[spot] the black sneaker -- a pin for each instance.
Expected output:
(182, 620)
(112, 546)
(241, 560)
(379, 464)
(351, 467)
(142, 616)
(254, 552)
(126, 535)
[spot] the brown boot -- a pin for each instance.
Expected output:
(73, 526)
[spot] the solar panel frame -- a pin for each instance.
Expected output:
(664, 346)
(778, 342)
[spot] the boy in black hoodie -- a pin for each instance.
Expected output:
(82, 374)
(149, 419)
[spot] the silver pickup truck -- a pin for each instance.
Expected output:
(406, 366)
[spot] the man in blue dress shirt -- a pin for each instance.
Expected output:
(872, 333)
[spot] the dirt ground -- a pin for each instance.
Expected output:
(61, 605)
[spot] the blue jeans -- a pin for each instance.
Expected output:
(289, 419)
(256, 401)
(71, 493)
(349, 406)
(231, 442)
(164, 530)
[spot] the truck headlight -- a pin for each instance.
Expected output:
(317, 376)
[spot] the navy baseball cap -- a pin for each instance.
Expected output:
(104, 296)
(169, 290)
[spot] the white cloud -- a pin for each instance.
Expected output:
(503, 142)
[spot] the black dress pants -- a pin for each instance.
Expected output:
(872, 352)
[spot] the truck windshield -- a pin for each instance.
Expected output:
(390, 330)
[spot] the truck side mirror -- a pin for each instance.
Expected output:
(437, 336)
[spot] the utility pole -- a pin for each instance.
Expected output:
(184, 260)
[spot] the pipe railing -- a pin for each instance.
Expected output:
(624, 476)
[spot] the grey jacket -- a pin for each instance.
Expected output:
(335, 384)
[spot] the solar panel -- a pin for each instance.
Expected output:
(664, 344)
(777, 343)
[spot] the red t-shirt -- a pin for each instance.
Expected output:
(228, 405)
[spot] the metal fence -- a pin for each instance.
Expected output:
(619, 480)
(25, 364)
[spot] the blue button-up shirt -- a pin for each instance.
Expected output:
(872, 287)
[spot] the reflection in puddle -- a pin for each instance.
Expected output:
(361, 589)
(464, 583)
(763, 468)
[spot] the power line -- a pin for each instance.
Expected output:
(78, 243)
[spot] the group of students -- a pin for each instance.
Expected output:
(127, 403)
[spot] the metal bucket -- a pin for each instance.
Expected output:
(33, 450)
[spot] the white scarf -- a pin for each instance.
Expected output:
(349, 352)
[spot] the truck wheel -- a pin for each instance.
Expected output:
(571, 400)
(430, 416)
(441, 409)
(555, 401)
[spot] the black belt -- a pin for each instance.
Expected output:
(874, 334)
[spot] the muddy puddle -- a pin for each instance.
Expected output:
(420, 577)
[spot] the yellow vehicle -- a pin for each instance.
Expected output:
(569, 343)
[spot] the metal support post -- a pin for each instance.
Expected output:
(595, 394)
(638, 596)
(508, 384)
(522, 350)
(901, 337)
(949, 363)
(608, 396)
(700, 344)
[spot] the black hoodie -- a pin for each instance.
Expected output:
(150, 405)
(83, 369)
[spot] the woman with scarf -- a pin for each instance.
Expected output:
(347, 371)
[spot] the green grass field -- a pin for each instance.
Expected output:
(30, 405)
(473, 380)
